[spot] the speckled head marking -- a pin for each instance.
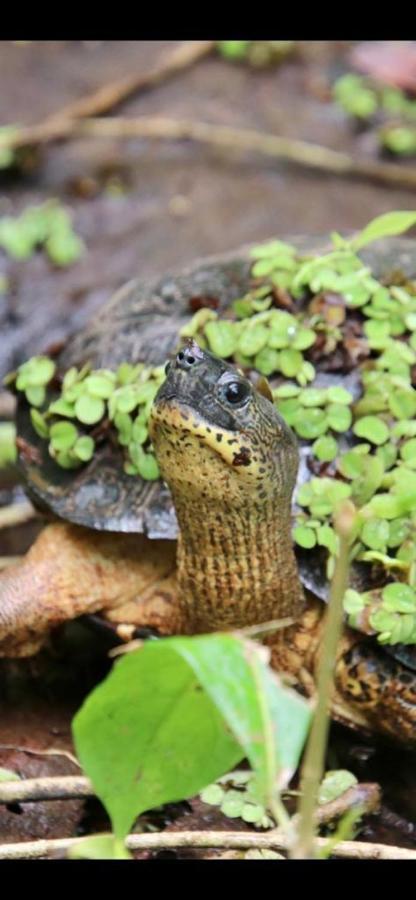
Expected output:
(230, 462)
(215, 433)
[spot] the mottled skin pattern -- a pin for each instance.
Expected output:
(230, 463)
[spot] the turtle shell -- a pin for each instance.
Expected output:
(141, 323)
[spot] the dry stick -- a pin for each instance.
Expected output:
(35, 751)
(17, 514)
(70, 787)
(64, 787)
(205, 839)
(61, 123)
(303, 153)
(290, 150)
(6, 561)
(314, 761)
(7, 405)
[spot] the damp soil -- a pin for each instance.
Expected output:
(147, 208)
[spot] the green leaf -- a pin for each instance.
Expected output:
(222, 338)
(8, 775)
(84, 448)
(8, 452)
(339, 395)
(304, 536)
(386, 225)
(310, 424)
(252, 339)
(257, 708)
(150, 735)
(386, 506)
(353, 602)
(61, 407)
(39, 423)
(372, 429)
(267, 361)
(89, 410)
(291, 362)
(233, 49)
(339, 417)
(402, 404)
(100, 846)
(334, 784)
(175, 715)
(408, 452)
(35, 395)
(375, 534)
(148, 467)
(399, 598)
(213, 795)
(99, 385)
(63, 435)
(325, 448)
(233, 804)
(311, 396)
(253, 812)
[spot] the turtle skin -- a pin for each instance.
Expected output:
(125, 521)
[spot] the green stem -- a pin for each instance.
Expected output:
(314, 760)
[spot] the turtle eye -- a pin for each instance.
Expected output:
(235, 392)
(167, 367)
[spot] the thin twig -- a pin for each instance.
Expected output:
(290, 150)
(60, 124)
(265, 627)
(366, 797)
(35, 751)
(7, 405)
(64, 787)
(6, 561)
(16, 514)
(314, 760)
(205, 839)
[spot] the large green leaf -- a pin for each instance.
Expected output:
(178, 713)
(150, 735)
(268, 720)
(386, 225)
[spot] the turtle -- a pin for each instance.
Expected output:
(209, 547)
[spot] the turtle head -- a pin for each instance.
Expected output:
(217, 435)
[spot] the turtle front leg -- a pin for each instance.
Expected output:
(379, 688)
(70, 571)
(372, 691)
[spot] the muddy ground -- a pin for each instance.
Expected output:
(147, 207)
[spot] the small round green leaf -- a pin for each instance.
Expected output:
(89, 410)
(372, 429)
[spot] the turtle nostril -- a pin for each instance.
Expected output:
(185, 359)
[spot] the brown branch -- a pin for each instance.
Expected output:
(60, 123)
(69, 787)
(206, 839)
(6, 561)
(290, 150)
(65, 787)
(17, 514)
(35, 751)
(366, 797)
(7, 405)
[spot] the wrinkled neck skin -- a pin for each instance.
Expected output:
(236, 564)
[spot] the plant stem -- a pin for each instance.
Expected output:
(206, 839)
(16, 514)
(314, 760)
